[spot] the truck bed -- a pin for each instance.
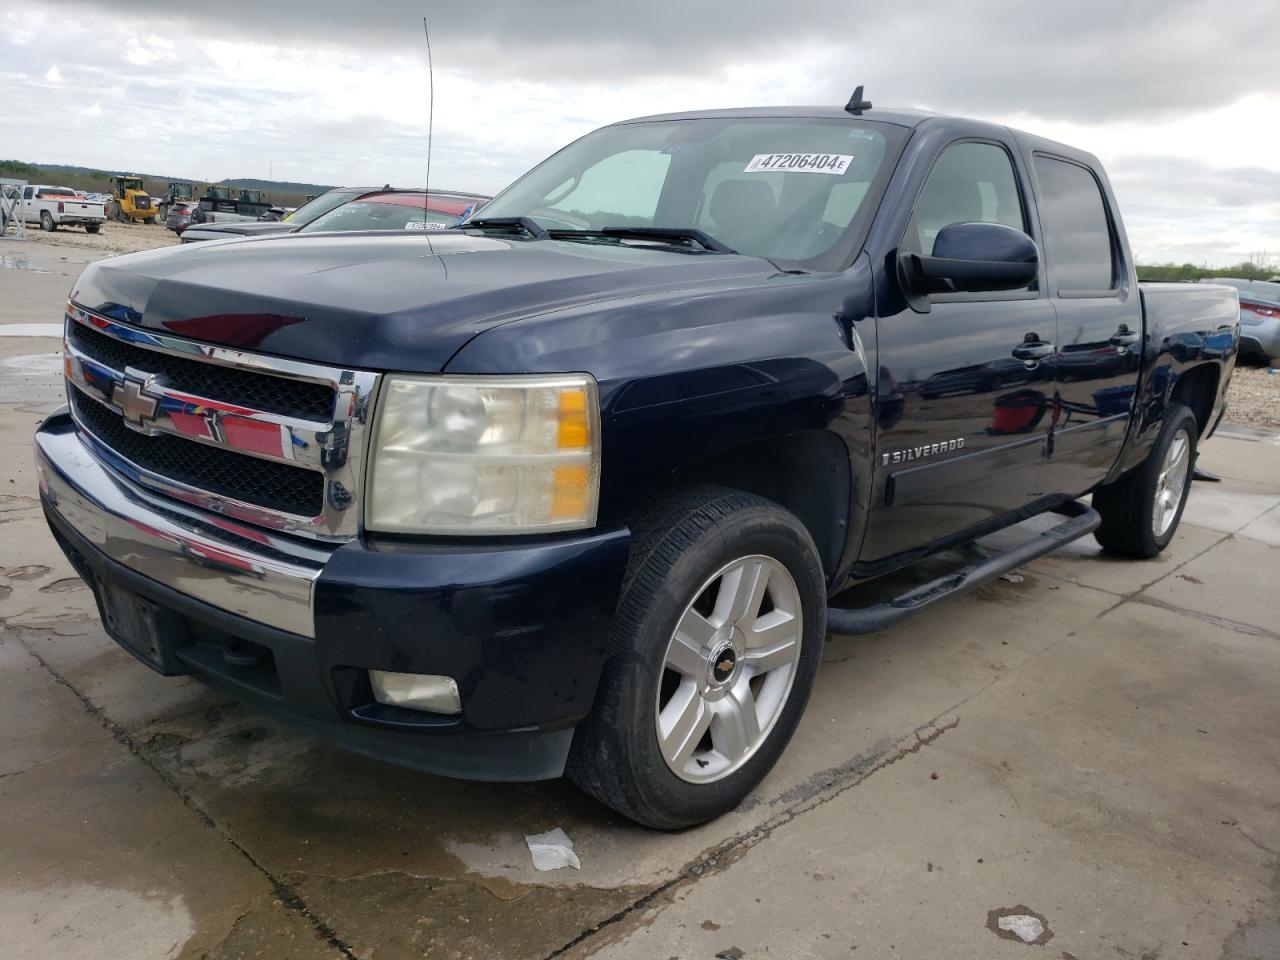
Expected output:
(1191, 320)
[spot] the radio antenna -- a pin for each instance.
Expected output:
(431, 116)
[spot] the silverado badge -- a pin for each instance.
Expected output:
(907, 454)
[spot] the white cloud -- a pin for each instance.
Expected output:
(349, 105)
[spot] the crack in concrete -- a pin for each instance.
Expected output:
(1235, 626)
(729, 851)
(282, 891)
(231, 930)
(1254, 840)
(1133, 594)
(858, 770)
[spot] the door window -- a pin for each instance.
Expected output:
(971, 182)
(1077, 233)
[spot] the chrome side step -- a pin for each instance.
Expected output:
(1081, 521)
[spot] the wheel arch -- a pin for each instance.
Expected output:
(807, 473)
(1197, 388)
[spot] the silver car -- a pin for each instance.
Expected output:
(1259, 316)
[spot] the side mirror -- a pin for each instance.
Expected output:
(972, 257)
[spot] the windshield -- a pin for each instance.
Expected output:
(321, 204)
(400, 212)
(779, 188)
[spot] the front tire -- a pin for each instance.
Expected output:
(713, 654)
(1141, 510)
(46, 222)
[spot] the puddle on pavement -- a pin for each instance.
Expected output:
(32, 380)
(31, 330)
(365, 845)
(9, 261)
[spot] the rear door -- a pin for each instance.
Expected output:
(964, 390)
(1099, 318)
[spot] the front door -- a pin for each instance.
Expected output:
(965, 391)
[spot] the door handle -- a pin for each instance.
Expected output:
(1123, 338)
(1033, 351)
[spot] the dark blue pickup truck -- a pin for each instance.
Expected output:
(567, 490)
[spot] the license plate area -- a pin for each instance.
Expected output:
(142, 628)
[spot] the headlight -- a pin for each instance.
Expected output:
(485, 455)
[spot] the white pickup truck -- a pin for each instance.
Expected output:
(54, 207)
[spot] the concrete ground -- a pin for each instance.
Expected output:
(1087, 754)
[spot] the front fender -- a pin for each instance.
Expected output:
(687, 375)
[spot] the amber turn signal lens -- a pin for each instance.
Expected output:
(575, 428)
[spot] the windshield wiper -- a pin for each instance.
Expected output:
(677, 235)
(511, 224)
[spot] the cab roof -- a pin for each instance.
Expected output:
(900, 117)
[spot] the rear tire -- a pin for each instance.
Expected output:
(1141, 510)
(92, 227)
(712, 657)
(46, 222)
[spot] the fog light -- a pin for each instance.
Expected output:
(416, 691)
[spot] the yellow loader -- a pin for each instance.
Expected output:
(132, 203)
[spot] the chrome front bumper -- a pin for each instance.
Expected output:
(246, 571)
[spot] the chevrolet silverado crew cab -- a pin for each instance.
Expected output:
(567, 489)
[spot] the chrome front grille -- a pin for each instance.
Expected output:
(278, 443)
(281, 395)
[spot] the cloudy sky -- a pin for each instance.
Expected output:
(1181, 99)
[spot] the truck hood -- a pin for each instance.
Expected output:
(245, 228)
(380, 301)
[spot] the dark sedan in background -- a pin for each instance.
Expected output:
(180, 215)
(354, 208)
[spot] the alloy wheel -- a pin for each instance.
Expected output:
(728, 669)
(1171, 482)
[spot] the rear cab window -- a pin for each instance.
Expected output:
(1080, 244)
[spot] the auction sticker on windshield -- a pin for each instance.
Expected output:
(423, 225)
(833, 163)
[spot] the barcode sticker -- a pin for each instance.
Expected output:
(833, 163)
(423, 225)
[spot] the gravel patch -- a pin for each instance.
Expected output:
(1253, 397)
(114, 238)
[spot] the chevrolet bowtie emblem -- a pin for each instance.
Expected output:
(133, 403)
